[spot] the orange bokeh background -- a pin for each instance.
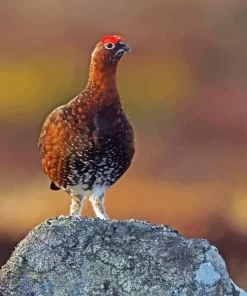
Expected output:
(184, 88)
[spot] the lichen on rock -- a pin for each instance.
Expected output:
(91, 257)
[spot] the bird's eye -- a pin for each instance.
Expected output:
(109, 46)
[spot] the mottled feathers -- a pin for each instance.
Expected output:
(89, 142)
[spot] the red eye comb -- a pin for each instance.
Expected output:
(111, 39)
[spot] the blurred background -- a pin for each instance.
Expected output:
(184, 87)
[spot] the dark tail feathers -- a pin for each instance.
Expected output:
(53, 186)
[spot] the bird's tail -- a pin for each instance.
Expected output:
(53, 186)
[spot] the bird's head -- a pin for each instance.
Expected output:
(109, 50)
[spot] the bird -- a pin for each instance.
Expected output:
(86, 145)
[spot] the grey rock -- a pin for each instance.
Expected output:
(79, 256)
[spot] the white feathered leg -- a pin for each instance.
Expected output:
(97, 200)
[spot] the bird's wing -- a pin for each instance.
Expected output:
(45, 128)
(54, 157)
(65, 144)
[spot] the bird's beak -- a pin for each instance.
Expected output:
(124, 47)
(121, 48)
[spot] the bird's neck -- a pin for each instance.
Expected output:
(103, 76)
(101, 84)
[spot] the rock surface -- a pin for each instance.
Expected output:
(80, 256)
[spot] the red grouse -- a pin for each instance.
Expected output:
(88, 144)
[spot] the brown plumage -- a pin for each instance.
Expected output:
(88, 144)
